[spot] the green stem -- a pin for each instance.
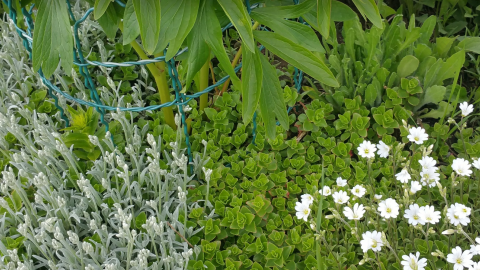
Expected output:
(461, 190)
(159, 74)
(203, 83)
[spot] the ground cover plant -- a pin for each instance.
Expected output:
(365, 157)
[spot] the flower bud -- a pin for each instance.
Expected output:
(449, 231)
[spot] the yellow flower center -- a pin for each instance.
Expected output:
(389, 210)
(416, 217)
(417, 139)
(366, 151)
(459, 261)
(305, 211)
(374, 245)
(357, 190)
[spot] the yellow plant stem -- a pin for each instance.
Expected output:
(159, 74)
(235, 61)
(203, 83)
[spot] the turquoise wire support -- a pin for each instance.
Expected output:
(177, 87)
(83, 64)
(78, 56)
(28, 46)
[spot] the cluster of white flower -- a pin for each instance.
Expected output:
(367, 149)
(422, 215)
(303, 207)
(459, 214)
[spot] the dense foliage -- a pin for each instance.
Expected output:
(371, 161)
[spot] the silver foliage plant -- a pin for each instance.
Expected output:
(67, 208)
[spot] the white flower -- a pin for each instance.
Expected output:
(403, 176)
(463, 209)
(371, 240)
(461, 167)
(475, 250)
(413, 215)
(326, 191)
(340, 197)
(303, 210)
(307, 199)
(475, 266)
(377, 196)
(383, 149)
(429, 177)
(341, 182)
(413, 262)
(476, 163)
(460, 259)
(388, 208)
(417, 135)
(366, 149)
(354, 214)
(456, 214)
(429, 214)
(415, 186)
(427, 162)
(358, 191)
(466, 108)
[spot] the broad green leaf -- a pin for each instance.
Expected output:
(342, 12)
(443, 107)
(148, 16)
(79, 141)
(453, 64)
(297, 32)
(100, 7)
(373, 38)
(455, 27)
(471, 44)
(433, 94)
(213, 37)
(385, 10)
(109, 22)
(177, 17)
(252, 75)
(427, 29)
(369, 8)
(289, 12)
(131, 29)
(410, 38)
(442, 46)
(432, 73)
(52, 24)
(17, 200)
(297, 55)
(238, 15)
(140, 220)
(324, 14)
(272, 104)
(198, 51)
(370, 95)
(407, 66)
